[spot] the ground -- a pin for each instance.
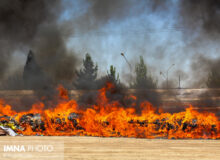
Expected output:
(95, 148)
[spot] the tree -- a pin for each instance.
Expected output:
(112, 75)
(86, 77)
(33, 75)
(214, 77)
(143, 80)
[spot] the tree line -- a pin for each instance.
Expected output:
(87, 76)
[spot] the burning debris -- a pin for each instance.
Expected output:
(4, 131)
(109, 118)
(42, 25)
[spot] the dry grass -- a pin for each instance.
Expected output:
(114, 148)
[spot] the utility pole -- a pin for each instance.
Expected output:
(123, 55)
(167, 74)
(179, 82)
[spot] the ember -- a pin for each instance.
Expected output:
(109, 119)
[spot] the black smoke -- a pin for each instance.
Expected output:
(200, 15)
(33, 76)
(202, 67)
(35, 24)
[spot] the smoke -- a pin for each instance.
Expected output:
(35, 25)
(38, 25)
(201, 67)
(200, 15)
(103, 12)
(105, 30)
(53, 55)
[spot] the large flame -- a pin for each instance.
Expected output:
(111, 119)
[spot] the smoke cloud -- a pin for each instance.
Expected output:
(35, 25)
(201, 68)
(102, 12)
(202, 15)
(38, 25)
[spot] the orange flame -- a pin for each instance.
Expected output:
(110, 119)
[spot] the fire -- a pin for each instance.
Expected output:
(110, 119)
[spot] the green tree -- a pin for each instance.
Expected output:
(143, 79)
(214, 78)
(112, 75)
(86, 77)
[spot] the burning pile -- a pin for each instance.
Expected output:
(109, 119)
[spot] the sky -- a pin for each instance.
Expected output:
(151, 32)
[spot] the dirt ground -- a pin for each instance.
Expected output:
(95, 148)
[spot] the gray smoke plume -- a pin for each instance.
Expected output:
(35, 25)
(199, 21)
(102, 12)
(200, 15)
(201, 67)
